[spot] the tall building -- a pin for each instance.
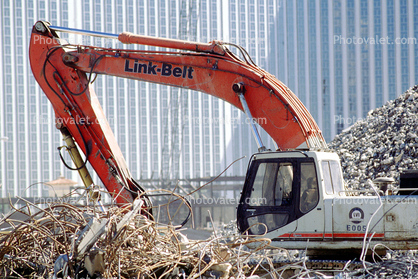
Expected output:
(346, 57)
(29, 154)
(342, 58)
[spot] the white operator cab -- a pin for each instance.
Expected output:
(285, 193)
(297, 199)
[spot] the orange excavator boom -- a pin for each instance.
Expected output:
(61, 70)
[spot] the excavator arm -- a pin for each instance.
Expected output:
(214, 72)
(64, 73)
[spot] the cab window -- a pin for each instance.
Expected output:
(276, 193)
(262, 194)
(332, 177)
(262, 224)
(337, 181)
(309, 194)
(284, 181)
(272, 185)
(327, 178)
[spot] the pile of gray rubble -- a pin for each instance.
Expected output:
(383, 144)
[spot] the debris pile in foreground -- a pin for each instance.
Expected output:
(396, 264)
(59, 240)
(381, 145)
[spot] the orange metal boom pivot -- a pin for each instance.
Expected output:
(210, 68)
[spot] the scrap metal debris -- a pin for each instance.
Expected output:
(396, 264)
(60, 240)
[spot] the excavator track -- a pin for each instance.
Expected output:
(288, 269)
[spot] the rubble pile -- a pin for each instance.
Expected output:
(381, 145)
(66, 240)
(60, 240)
(396, 264)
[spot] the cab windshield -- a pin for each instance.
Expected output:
(280, 191)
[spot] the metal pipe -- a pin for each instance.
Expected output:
(213, 47)
(129, 38)
(94, 194)
(84, 32)
(244, 104)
